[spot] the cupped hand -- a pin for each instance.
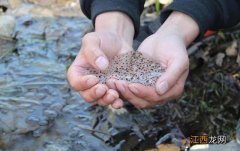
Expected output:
(170, 51)
(167, 47)
(97, 49)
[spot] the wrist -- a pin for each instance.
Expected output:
(117, 23)
(180, 25)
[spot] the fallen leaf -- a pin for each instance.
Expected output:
(152, 149)
(168, 147)
(231, 51)
(203, 54)
(165, 2)
(219, 59)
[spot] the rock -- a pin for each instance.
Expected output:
(7, 25)
(40, 11)
(15, 3)
(6, 47)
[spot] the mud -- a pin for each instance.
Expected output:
(38, 109)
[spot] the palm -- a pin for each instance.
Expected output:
(171, 53)
(163, 51)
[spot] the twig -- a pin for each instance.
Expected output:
(92, 130)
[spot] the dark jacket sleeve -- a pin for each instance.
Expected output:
(133, 8)
(209, 14)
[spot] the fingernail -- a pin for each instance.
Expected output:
(117, 104)
(100, 91)
(134, 89)
(101, 62)
(110, 97)
(162, 87)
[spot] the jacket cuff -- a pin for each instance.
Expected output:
(97, 7)
(196, 10)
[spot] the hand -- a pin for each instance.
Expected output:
(97, 49)
(167, 47)
(171, 53)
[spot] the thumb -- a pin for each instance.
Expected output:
(92, 52)
(173, 72)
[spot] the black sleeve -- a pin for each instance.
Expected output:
(209, 14)
(133, 8)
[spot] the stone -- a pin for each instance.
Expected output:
(7, 25)
(41, 11)
(15, 3)
(6, 47)
(133, 67)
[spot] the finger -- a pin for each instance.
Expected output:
(108, 98)
(173, 72)
(144, 92)
(177, 90)
(76, 77)
(117, 104)
(94, 93)
(122, 86)
(111, 84)
(150, 94)
(91, 50)
(82, 83)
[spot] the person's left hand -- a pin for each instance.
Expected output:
(167, 47)
(170, 51)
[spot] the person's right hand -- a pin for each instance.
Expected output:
(96, 51)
